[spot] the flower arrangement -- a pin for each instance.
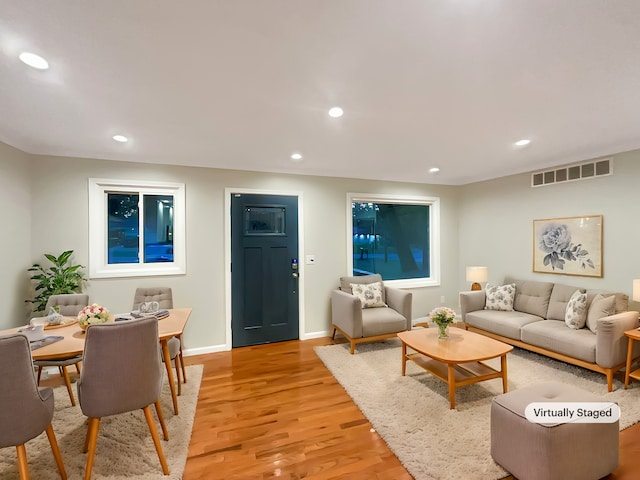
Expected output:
(91, 314)
(442, 317)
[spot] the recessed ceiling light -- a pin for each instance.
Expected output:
(523, 142)
(120, 138)
(296, 156)
(434, 170)
(33, 60)
(336, 112)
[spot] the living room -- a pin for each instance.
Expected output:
(485, 222)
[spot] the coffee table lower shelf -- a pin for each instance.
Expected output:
(458, 374)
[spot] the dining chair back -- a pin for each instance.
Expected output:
(164, 297)
(25, 410)
(122, 372)
(70, 305)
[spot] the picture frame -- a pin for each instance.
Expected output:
(568, 246)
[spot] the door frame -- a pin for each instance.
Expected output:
(227, 255)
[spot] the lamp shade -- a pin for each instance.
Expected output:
(477, 274)
(636, 290)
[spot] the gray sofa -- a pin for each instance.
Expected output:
(537, 323)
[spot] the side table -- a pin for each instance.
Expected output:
(632, 336)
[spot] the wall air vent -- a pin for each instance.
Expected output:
(582, 171)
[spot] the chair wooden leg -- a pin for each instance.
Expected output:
(22, 462)
(353, 347)
(333, 336)
(90, 445)
(184, 372)
(67, 381)
(78, 368)
(178, 374)
(163, 425)
(56, 452)
(39, 374)
(167, 363)
(156, 439)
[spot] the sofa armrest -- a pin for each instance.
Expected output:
(611, 343)
(401, 301)
(346, 313)
(471, 301)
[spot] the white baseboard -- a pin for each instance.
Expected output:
(312, 335)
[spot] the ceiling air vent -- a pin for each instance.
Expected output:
(596, 168)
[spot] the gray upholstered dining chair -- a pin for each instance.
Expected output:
(122, 372)
(25, 410)
(69, 305)
(164, 297)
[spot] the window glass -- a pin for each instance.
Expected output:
(123, 232)
(395, 237)
(158, 228)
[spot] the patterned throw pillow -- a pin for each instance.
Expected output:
(576, 314)
(370, 294)
(500, 297)
(600, 307)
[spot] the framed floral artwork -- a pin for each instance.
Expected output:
(568, 246)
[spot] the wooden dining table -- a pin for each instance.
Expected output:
(72, 342)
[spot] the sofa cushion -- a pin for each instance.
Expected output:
(555, 336)
(576, 311)
(345, 282)
(600, 307)
(507, 324)
(500, 297)
(558, 301)
(622, 299)
(370, 294)
(532, 297)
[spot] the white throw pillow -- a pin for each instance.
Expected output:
(370, 294)
(500, 297)
(600, 307)
(576, 313)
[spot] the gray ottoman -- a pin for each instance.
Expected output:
(564, 451)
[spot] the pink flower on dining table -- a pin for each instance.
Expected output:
(93, 313)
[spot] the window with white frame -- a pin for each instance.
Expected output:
(395, 236)
(136, 228)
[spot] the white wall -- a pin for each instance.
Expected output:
(60, 222)
(15, 198)
(496, 224)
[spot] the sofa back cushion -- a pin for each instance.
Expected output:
(621, 303)
(532, 297)
(345, 283)
(560, 296)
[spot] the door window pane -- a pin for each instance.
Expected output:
(264, 221)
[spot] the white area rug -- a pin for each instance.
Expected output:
(412, 413)
(125, 449)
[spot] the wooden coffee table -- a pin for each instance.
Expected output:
(457, 361)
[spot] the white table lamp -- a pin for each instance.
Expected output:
(477, 275)
(636, 291)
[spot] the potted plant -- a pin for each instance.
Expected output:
(61, 277)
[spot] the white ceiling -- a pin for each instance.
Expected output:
(242, 84)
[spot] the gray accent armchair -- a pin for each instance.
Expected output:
(122, 373)
(360, 325)
(25, 410)
(70, 305)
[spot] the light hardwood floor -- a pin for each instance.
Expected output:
(275, 411)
